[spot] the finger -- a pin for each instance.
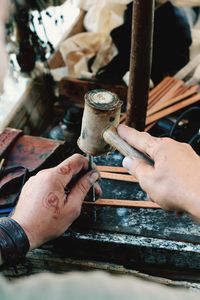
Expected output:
(139, 168)
(98, 190)
(80, 190)
(71, 167)
(142, 141)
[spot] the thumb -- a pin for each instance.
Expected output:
(137, 167)
(80, 190)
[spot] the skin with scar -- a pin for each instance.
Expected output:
(172, 182)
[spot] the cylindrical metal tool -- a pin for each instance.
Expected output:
(100, 119)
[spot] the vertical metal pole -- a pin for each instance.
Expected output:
(140, 62)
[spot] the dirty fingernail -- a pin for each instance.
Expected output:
(127, 162)
(94, 177)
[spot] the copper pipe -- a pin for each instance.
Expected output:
(123, 203)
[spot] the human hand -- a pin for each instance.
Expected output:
(44, 211)
(173, 181)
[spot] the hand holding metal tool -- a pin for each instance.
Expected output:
(100, 119)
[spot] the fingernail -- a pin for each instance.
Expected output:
(94, 177)
(127, 162)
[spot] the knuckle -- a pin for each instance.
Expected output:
(164, 145)
(31, 179)
(41, 172)
(186, 146)
(166, 141)
(77, 156)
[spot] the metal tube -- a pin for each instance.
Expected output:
(140, 62)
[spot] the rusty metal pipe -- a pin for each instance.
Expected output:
(140, 62)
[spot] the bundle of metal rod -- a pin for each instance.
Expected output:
(169, 96)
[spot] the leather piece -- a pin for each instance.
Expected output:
(117, 176)
(28, 152)
(111, 169)
(123, 203)
(7, 138)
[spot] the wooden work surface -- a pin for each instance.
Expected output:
(142, 239)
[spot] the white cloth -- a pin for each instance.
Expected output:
(101, 18)
(104, 15)
(89, 286)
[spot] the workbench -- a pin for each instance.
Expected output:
(122, 240)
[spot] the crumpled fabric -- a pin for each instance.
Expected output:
(101, 18)
(103, 15)
(78, 49)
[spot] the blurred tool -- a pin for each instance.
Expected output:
(100, 119)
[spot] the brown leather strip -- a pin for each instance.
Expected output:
(171, 109)
(111, 169)
(121, 177)
(158, 106)
(123, 203)
(162, 92)
(169, 94)
(183, 89)
(7, 137)
(159, 87)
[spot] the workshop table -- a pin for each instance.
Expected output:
(122, 240)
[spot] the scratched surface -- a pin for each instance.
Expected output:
(133, 236)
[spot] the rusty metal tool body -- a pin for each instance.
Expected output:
(100, 120)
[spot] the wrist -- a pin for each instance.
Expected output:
(29, 233)
(14, 242)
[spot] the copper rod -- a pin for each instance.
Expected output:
(168, 92)
(123, 203)
(159, 86)
(172, 109)
(111, 169)
(160, 106)
(120, 177)
(171, 81)
(183, 89)
(140, 62)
